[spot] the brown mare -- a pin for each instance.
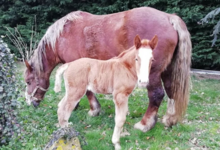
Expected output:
(117, 76)
(81, 34)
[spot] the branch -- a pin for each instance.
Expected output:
(210, 15)
(25, 50)
(215, 32)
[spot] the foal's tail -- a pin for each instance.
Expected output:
(58, 79)
(181, 63)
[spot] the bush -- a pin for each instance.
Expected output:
(8, 95)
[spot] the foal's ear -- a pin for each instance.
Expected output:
(28, 65)
(153, 42)
(137, 42)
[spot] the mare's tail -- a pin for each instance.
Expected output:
(181, 63)
(58, 79)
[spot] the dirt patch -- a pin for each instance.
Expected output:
(205, 74)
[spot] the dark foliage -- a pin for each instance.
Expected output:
(22, 14)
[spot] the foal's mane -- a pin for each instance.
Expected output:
(144, 43)
(125, 52)
(50, 37)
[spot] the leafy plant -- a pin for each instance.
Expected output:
(9, 92)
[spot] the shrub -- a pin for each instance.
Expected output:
(8, 95)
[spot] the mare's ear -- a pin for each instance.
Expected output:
(153, 42)
(137, 42)
(28, 65)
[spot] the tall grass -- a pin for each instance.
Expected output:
(199, 130)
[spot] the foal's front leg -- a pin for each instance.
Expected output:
(121, 109)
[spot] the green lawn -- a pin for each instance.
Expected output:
(200, 129)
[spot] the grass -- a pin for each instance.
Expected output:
(200, 129)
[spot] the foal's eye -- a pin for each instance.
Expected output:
(136, 59)
(28, 83)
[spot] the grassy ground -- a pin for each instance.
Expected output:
(200, 129)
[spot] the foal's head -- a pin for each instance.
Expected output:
(144, 58)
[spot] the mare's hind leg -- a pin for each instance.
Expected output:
(121, 109)
(67, 105)
(95, 106)
(170, 118)
(155, 94)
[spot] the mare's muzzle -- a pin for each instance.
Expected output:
(36, 103)
(34, 100)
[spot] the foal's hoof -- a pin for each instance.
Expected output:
(63, 125)
(169, 120)
(94, 112)
(117, 146)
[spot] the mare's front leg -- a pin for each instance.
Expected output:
(155, 94)
(95, 106)
(121, 109)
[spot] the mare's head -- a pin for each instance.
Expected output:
(37, 83)
(144, 58)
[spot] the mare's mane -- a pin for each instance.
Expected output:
(49, 38)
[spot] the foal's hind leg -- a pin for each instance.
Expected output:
(121, 109)
(170, 118)
(67, 105)
(155, 94)
(95, 106)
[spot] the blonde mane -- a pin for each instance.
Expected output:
(50, 37)
(124, 52)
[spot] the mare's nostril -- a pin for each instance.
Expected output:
(140, 81)
(36, 104)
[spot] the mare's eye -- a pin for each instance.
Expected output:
(28, 83)
(136, 59)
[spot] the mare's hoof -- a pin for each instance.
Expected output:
(169, 120)
(94, 112)
(143, 128)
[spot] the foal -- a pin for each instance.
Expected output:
(118, 76)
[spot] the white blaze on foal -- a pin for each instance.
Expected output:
(146, 55)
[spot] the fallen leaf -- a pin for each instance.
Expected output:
(125, 133)
(101, 138)
(136, 142)
(194, 140)
(103, 133)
